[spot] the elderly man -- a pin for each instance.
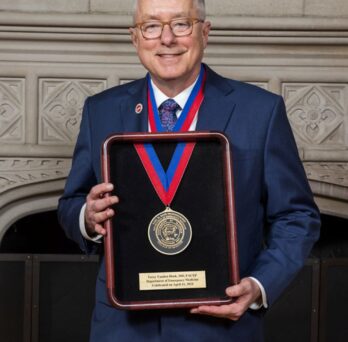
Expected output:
(277, 220)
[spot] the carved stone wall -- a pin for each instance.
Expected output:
(316, 113)
(50, 62)
(12, 110)
(60, 107)
(267, 8)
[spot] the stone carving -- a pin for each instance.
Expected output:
(328, 172)
(61, 104)
(329, 179)
(12, 110)
(16, 172)
(316, 113)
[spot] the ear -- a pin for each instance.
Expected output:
(134, 36)
(206, 30)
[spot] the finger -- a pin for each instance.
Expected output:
(249, 292)
(102, 216)
(216, 310)
(243, 288)
(94, 208)
(235, 291)
(99, 190)
(101, 204)
(99, 211)
(232, 311)
(99, 229)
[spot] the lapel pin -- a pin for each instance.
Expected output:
(138, 108)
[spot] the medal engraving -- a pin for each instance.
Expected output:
(169, 232)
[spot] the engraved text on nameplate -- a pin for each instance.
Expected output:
(172, 280)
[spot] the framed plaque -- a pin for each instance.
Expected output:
(172, 242)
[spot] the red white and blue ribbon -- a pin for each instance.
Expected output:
(167, 182)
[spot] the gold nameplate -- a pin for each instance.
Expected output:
(172, 280)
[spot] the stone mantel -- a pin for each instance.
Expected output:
(49, 63)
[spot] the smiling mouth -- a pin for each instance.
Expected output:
(169, 55)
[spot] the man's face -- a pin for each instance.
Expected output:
(169, 58)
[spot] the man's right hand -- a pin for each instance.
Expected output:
(98, 208)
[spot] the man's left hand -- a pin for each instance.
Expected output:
(245, 293)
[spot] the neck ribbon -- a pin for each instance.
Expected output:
(167, 182)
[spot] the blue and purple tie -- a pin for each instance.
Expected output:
(167, 113)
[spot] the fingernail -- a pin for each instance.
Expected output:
(109, 186)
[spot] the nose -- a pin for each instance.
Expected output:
(167, 36)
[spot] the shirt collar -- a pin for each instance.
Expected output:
(180, 99)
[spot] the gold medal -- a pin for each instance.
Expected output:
(170, 232)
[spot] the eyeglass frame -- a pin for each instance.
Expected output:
(163, 23)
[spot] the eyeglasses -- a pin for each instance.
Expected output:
(180, 27)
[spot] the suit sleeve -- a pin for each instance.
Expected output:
(80, 180)
(292, 218)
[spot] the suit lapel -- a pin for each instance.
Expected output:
(214, 113)
(217, 108)
(135, 120)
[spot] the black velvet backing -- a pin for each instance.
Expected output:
(200, 197)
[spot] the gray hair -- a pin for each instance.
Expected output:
(200, 4)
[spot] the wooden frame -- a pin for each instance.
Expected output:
(229, 219)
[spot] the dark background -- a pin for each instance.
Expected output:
(47, 287)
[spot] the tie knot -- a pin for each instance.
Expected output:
(167, 112)
(169, 105)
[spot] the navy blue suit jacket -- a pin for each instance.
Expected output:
(277, 221)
